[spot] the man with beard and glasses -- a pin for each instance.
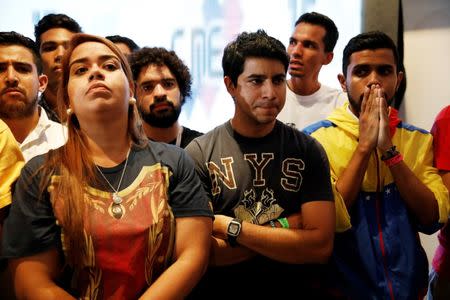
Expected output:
(53, 33)
(386, 188)
(163, 83)
(310, 47)
(21, 80)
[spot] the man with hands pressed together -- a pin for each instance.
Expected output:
(386, 186)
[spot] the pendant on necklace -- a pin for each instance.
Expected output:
(116, 199)
(117, 211)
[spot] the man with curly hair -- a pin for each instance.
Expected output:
(163, 83)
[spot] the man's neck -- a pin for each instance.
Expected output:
(22, 127)
(252, 131)
(50, 98)
(165, 135)
(303, 86)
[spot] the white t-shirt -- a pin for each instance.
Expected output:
(47, 135)
(302, 111)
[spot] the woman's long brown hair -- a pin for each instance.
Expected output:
(73, 163)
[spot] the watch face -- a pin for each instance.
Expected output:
(234, 228)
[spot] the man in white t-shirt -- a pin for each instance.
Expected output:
(310, 47)
(21, 80)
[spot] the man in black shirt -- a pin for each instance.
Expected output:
(163, 82)
(260, 176)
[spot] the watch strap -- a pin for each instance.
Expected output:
(390, 153)
(232, 236)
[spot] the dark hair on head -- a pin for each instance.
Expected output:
(161, 56)
(124, 40)
(14, 38)
(331, 31)
(78, 39)
(74, 162)
(368, 41)
(253, 44)
(54, 21)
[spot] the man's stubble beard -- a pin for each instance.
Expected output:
(18, 110)
(161, 119)
(356, 106)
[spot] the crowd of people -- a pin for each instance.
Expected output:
(306, 190)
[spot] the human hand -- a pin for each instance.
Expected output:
(369, 119)
(384, 138)
(295, 220)
(220, 226)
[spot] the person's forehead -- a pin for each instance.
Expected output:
(57, 34)
(124, 48)
(381, 56)
(154, 72)
(309, 31)
(91, 51)
(261, 65)
(16, 53)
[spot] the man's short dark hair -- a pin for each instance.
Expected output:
(13, 38)
(51, 21)
(161, 56)
(124, 40)
(331, 31)
(368, 41)
(253, 44)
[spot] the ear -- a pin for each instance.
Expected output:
(132, 88)
(399, 79)
(328, 58)
(229, 85)
(341, 79)
(43, 80)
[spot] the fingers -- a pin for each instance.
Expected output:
(370, 99)
(382, 110)
(383, 103)
(365, 98)
(376, 89)
(369, 119)
(384, 139)
(372, 105)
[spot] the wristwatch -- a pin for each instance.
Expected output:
(390, 153)
(233, 231)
